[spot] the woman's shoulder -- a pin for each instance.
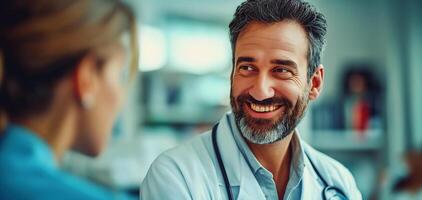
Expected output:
(28, 171)
(37, 182)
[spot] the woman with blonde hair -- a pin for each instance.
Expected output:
(64, 69)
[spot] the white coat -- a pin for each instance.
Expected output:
(191, 171)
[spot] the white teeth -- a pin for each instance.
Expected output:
(259, 108)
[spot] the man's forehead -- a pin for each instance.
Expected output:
(287, 35)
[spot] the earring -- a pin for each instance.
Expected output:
(87, 102)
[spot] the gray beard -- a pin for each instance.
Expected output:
(280, 130)
(267, 137)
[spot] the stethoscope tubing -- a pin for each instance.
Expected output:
(227, 182)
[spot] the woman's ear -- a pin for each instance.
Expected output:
(316, 82)
(85, 81)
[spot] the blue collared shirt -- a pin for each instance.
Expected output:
(28, 171)
(265, 177)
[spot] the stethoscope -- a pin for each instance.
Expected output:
(329, 192)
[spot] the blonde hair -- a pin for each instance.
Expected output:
(43, 40)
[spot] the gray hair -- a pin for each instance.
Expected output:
(270, 11)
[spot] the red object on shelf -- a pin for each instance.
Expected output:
(361, 116)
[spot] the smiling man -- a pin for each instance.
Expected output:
(255, 151)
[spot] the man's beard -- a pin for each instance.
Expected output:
(267, 131)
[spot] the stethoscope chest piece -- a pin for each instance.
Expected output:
(333, 193)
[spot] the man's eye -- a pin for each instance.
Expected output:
(246, 68)
(281, 70)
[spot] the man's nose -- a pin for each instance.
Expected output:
(262, 88)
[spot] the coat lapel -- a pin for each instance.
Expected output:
(238, 171)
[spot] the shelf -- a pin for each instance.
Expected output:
(183, 116)
(347, 140)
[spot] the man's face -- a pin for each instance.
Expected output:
(270, 91)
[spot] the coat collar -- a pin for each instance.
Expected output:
(239, 172)
(229, 151)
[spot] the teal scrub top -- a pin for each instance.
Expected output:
(28, 171)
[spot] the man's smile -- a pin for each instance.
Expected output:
(263, 111)
(263, 108)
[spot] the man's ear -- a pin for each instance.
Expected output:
(84, 81)
(316, 82)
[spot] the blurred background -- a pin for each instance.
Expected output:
(368, 116)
